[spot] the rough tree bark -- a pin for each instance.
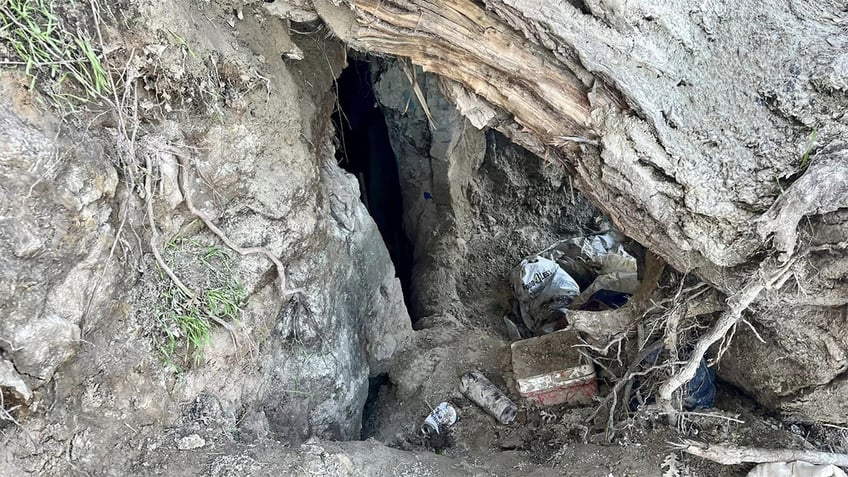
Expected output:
(712, 132)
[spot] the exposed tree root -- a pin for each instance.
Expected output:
(608, 329)
(281, 272)
(444, 38)
(154, 246)
(729, 454)
(770, 274)
(154, 232)
(823, 188)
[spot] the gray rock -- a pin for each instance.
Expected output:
(43, 344)
(10, 381)
(83, 312)
(54, 236)
(803, 349)
(190, 442)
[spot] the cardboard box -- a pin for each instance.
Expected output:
(550, 370)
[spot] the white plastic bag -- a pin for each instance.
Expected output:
(547, 284)
(543, 291)
(586, 258)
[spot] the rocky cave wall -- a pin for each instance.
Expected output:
(85, 309)
(474, 203)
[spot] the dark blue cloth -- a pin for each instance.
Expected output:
(699, 393)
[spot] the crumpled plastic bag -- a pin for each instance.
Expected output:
(620, 281)
(543, 291)
(795, 469)
(568, 274)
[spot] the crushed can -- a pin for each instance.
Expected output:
(442, 416)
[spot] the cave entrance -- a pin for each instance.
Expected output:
(364, 151)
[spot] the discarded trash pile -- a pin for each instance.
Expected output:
(578, 275)
(554, 358)
(479, 390)
(584, 273)
(550, 363)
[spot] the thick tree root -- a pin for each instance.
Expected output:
(772, 273)
(823, 188)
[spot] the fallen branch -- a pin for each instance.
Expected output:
(729, 454)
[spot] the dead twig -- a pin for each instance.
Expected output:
(729, 454)
(714, 415)
(632, 372)
(413, 81)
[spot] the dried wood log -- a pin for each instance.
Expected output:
(729, 454)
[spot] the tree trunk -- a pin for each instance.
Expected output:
(711, 132)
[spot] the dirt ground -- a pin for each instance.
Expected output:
(560, 439)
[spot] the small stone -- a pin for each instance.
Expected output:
(294, 53)
(190, 442)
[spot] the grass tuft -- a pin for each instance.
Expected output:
(187, 322)
(33, 34)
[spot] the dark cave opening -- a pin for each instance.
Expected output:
(365, 151)
(376, 385)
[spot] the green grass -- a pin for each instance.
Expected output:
(187, 322)
(45, 49)
(805, 159)
(182, 42)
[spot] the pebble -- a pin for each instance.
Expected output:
(190, 442)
